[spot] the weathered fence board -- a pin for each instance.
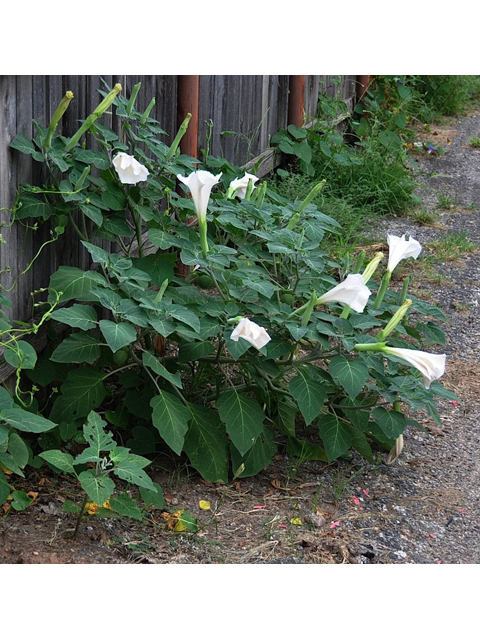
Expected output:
(251, 108)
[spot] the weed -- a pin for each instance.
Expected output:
(341, 481)
(425, 218)
(451, 246)
(475, 142)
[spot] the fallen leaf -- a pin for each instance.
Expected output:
(296, 521)
(204, 504)
(276, 483)
(32, 494)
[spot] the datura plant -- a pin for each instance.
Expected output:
(212, 324)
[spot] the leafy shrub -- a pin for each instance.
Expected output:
(258, 345)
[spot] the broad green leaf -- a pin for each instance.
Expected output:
(257, 457)
(98, 489)
(117, 335)
(6, 400)
(238, 348)
(361, 444)
(153, 497)
(4, 433)
(18, 449)
(170, 416)
(4, 489)
(130, 472)
(95, 434)
(155, 365)
(60, 460)
(93, 213)
(20, 500)
(82, 392)
(22, 356)
(25, 420)
(97, 253)
(80, 316)
(309, 394)
(392, 423)
(206, 444)
(74, 283)
(23, 144)
(305, 450)
(190, 351)
(351, 374)
(92, 157)
(77, 348)
(336, 435)
(32, 207)
(287, 413)
(243, 418)
(185, 315)
(161, 239)
(7, 461)
(126, 506)
(131, 310)
(267, 289)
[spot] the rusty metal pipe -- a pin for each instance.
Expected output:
(187, 102)
(296, 100)
(362, 86)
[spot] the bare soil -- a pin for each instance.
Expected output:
(422, 509)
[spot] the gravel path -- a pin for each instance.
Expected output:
(425, 507)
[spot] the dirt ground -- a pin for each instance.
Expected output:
(422, 509)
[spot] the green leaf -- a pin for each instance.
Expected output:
(153, 363)
(243, 418)
(82, 391)
(309, 394)
(60, 460)
(23, 144)
(95, 434)
(130, 472)
(23, 356)
(25, 420)
(8, 462)
(20, 500)
(4, 489)
(287, 413)
(170, 416)
(126, 506)
(118, 335)
(6, 400)
(74, 283)
(79, 347)
(257, 457)
(185, 315)
(206, 444)
(392, 423)
(93, 213)
(98, 489)
(351, 374)
(18, 449)
(97, 253)
(305, 450)
(153, 497)
(92, 157)
(32, 207)
(336, 435)
(190, 351)
(80, 316)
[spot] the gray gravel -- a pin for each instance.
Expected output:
(424, 508)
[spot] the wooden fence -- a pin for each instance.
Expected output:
(250, 108)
